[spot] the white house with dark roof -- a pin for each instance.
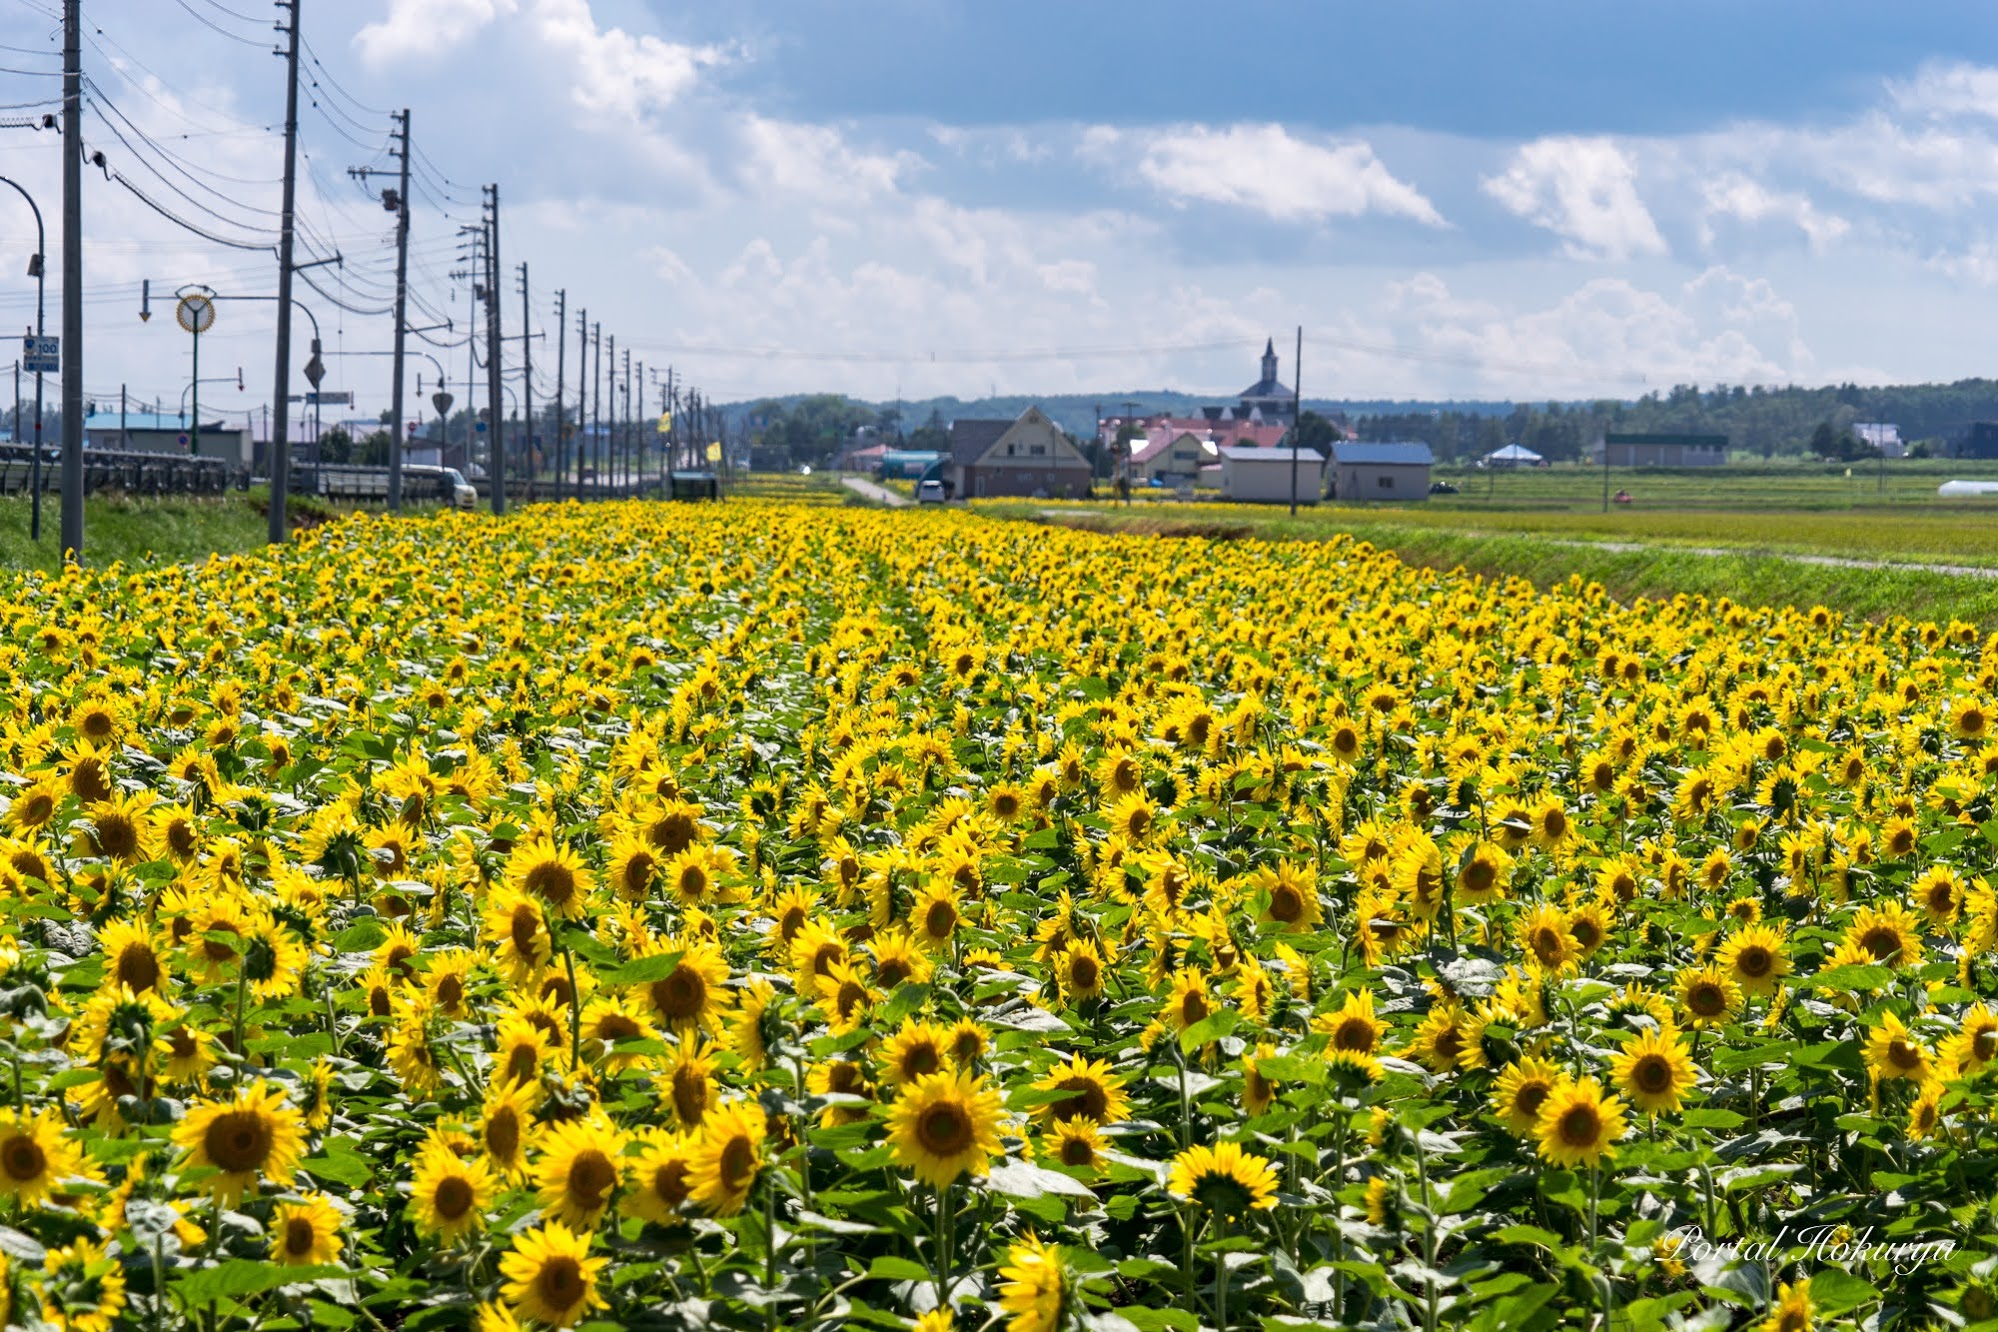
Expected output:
(1029, 456)
(1393, 472)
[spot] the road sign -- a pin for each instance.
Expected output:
(41, 356)
(665, 423)
(181, 439)
(195, 312)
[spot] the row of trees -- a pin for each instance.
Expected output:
(1768, 421)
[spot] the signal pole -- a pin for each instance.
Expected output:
(561, 372)
(496, 431)
(527, 374)
(72, 277)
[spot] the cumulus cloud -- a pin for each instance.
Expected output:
(1583, 190)
(1266, 169)
(416, 28)
(1735, 195)
(1948, 89)
(816, 161)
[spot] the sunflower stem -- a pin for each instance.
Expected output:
(770, 1250)
(1220, 1273)
(575, 1008)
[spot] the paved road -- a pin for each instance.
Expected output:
(869, 490)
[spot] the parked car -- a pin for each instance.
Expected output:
(1442, 488)
(463, 495)
(930, 492)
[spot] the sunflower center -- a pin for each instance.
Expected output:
(681, 995)
(690, 1095)
(1580, 1126)
(116, 837)
(1652, 1074)
(553, 882)
(523, 928)
(591, 1176)
(1706, 1000)
(673, 834)
(503, 1135)
(1547, 944)
(451, 991)
(1479, 876)
(138, 968)
(23, 1159)
(940, 920)
(1903, 1055)
(559, 1283)
(1354, 1034)
(1754, 961)
(1083, 973)
(1527, 1099)
(637, 873)
(1984, 1045)
(522, 1062)
(453, 1197)
(238, 1141)
(738, 1163)
(943, 1130)
(1286, 904)
(918, 1060)
(669, 1181)
(1881, 941)
(1090, 1101)
(299, 1237)
(215, 950)
(1077, 1152)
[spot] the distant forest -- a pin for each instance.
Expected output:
(1933, 418)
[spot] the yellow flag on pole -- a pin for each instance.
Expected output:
(665, 423)
(714, 452)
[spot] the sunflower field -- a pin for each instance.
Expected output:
(767, 917)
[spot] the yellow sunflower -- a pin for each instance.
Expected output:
(1034, 1285)
(945, 1125)
(1092, 1091)
(449, 1194)
(36, 1155)
(549, 1276)
(306, 1233)
(1224, 1179)
(1654, 1070)
(1578, 1124)
(726, 1157)
(578, 1170)
(255, 1135)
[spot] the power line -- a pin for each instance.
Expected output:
(215, 27)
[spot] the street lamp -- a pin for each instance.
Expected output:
(37, 270)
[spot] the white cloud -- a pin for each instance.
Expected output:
(815, 161)
(426, 27)
(616, 72)
(1583, 190)
(1948, 89)
(1735, 195)
(1266, 169)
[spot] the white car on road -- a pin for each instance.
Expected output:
(930, 492)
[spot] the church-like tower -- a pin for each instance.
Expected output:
(1268, 397)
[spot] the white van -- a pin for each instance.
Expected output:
(930, 492)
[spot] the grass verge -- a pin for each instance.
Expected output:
(1628, 574)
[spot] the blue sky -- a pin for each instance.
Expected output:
(1455, 199)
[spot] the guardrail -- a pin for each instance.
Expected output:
(113, 469)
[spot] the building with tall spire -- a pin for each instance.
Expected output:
(1268, 399)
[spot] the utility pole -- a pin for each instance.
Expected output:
(615, 441)
(582, 396)
(397, 202)
(630, 444)
(72, 279)
(527, 374)
(496, 430)
(561, 371)
(280, 447)
(641, 438)
(1296, 416)
(597, 407)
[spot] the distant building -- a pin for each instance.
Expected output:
(1268, 399)
(155, 432)
(1628, 450)
(1883, 436)
(906, 464)
(1512, 455)
(1364, 472)
(1169, 456)
(1265, 476)
(1027, 456)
